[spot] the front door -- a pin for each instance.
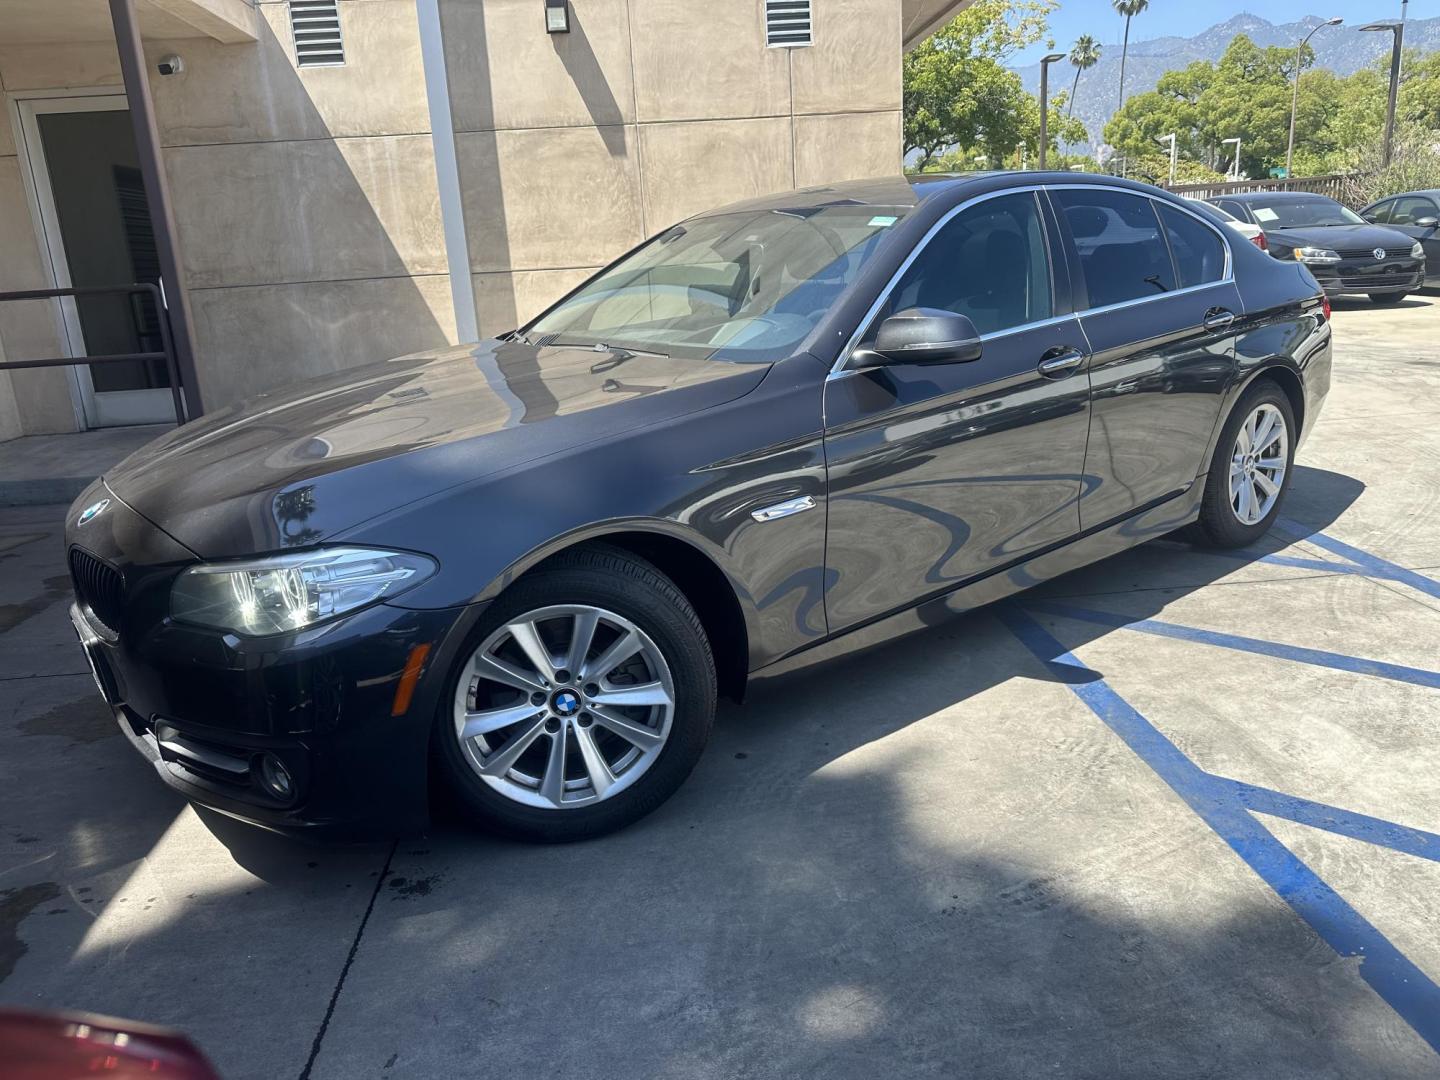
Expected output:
(941, 473)
(96, 227)
(1406, 213)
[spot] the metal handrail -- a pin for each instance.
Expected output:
(167, 354)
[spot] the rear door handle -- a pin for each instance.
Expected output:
(1218, 318)
(1060, 362)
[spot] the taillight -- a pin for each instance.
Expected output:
(1325, 306)
(1259, 241)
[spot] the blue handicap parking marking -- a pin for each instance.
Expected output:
(1362, 561)
(1296, 653)
(1226, 806)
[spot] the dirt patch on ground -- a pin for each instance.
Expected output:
(84, 721)
(56, 588)
(15, 904)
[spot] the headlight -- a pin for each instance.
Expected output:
(290, 592)
(1317, 255)
(1417, 251)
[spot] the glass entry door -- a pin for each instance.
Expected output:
(86, 172)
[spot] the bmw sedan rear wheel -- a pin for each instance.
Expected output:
(582, 702)
(1250, 472)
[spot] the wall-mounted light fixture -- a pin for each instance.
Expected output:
(557, 16)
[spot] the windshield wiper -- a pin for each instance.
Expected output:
(599, 346)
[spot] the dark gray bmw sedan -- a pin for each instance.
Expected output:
(522, 571)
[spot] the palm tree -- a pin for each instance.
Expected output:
(1084, 55)
(1128, 8)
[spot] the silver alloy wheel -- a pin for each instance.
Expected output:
(564, 706)
(1257, 464)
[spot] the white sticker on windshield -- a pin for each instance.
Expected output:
(1264, 213)
(881, 220)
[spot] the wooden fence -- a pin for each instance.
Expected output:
(1332, 185)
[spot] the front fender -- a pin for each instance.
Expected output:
(696, 480)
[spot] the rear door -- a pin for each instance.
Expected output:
(940, 473)
(1157, 309)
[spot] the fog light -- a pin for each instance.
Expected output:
(275, 778)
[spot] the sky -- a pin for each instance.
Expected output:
(1165, 18)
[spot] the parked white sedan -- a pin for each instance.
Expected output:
(1253, 233)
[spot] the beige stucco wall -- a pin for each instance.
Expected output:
(574, 147)
(307, 202)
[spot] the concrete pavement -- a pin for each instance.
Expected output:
(1144, 824)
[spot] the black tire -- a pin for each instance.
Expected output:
(1218, 525)
(615, 580)
(1387, 298)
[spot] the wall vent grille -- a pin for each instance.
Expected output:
(788, 22)
(315, 25)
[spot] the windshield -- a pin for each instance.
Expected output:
(1300, 213)
(745, 286)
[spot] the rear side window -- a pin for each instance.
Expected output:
(1122, 253)
(988, 262)
(1199, 253)
(1233, 208)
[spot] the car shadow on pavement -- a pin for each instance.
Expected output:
(852, 884)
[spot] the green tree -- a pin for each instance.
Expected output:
(1128, 8)
(958, 91)
(1084, 55)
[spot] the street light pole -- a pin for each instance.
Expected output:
(1045, 63)
(1398, 30)
(1234, 165)
(1295, 94)
(1172, 140)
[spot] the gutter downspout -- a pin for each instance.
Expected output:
(447, 170)
(157, 199)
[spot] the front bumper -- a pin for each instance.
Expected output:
(1352, 278)
(205, 707)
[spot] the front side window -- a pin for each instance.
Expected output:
(1411, 209)
(1199, 253)
(745, 286)
(1122, 253)
(988, 262)
(1303, 213)
(1380, 212)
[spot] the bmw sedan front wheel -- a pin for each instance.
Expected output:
(582, 701)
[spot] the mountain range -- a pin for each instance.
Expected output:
(1342, 49)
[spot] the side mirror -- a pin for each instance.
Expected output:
(1427, 222)
(922, 336)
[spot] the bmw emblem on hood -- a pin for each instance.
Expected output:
(92, 511)
(1379, 254)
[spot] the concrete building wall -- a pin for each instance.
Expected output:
(307, 201)
(574, 147)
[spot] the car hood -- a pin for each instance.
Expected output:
(1349, 237)
(294, 467)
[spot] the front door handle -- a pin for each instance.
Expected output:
(1218, 318)
(1060, 362)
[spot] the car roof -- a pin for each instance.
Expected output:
(1429, 193)
(911, 191)
(1273, 196)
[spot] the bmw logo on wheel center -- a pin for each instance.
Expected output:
(567, 703)
(92, 511)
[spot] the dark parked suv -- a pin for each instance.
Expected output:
(1346, 254)
(522, 570)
